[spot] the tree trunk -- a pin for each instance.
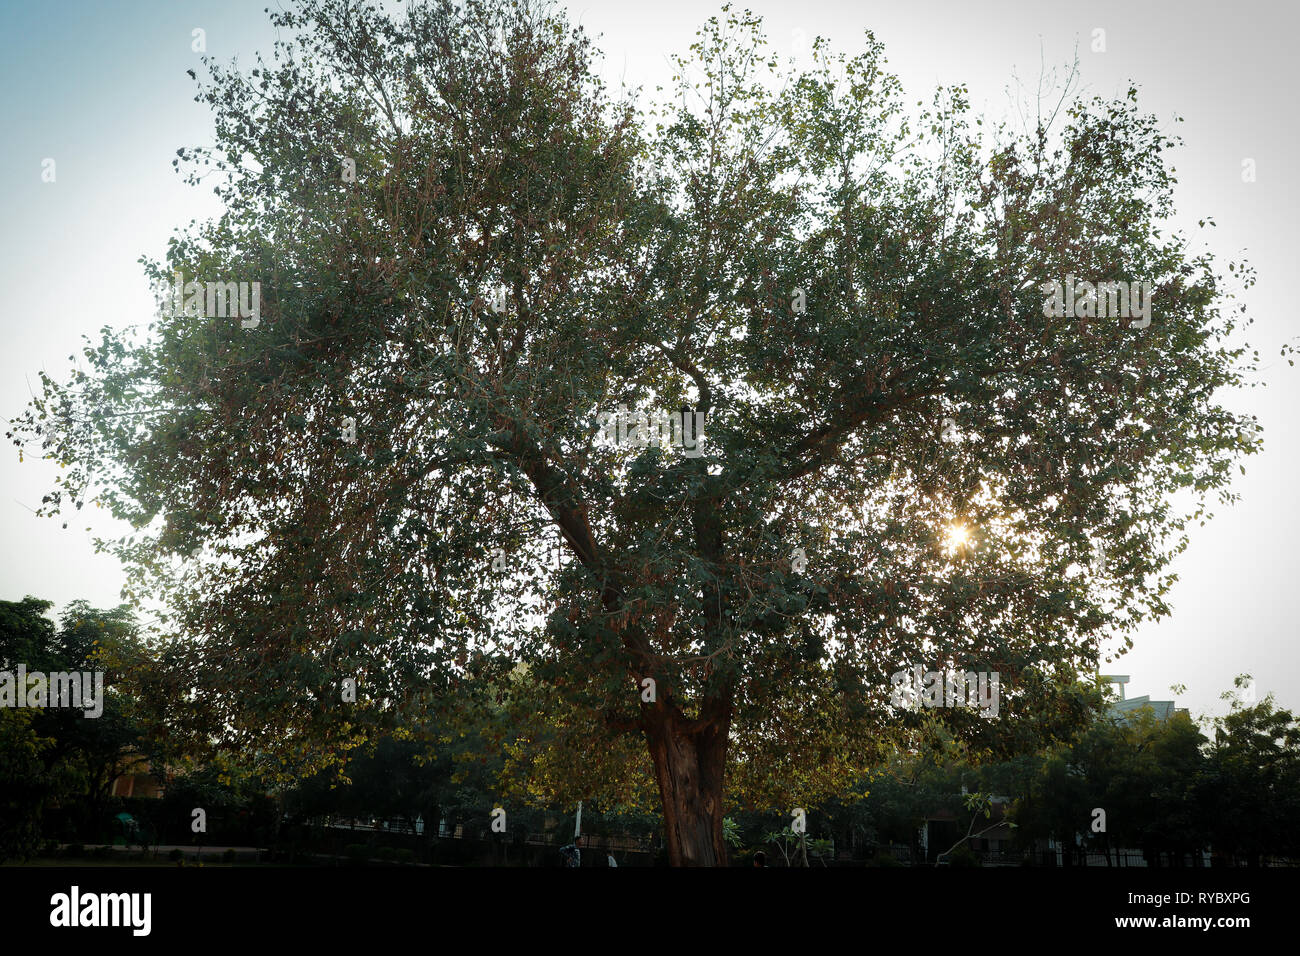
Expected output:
(689, 766)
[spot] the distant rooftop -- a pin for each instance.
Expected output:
(1164, 709)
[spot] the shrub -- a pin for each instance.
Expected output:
(356, 852)
(229, 856)
(405, 855)
(386, 853)
(964, 856)
(885, 858)
(176, 856)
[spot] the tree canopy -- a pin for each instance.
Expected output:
(469, 250)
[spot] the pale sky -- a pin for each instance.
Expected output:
(101, 89)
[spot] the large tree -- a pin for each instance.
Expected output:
(471, 250)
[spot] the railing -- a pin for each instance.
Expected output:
(459, 831)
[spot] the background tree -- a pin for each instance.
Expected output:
(25, 634)
(1250, 793)
(1144, 772)
(905, 459)
(28, 784)
(58, 755)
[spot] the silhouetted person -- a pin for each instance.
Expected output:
(572, 853)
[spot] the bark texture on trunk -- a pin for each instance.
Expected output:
(689, 764)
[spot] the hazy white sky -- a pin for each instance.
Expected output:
(101, 89)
